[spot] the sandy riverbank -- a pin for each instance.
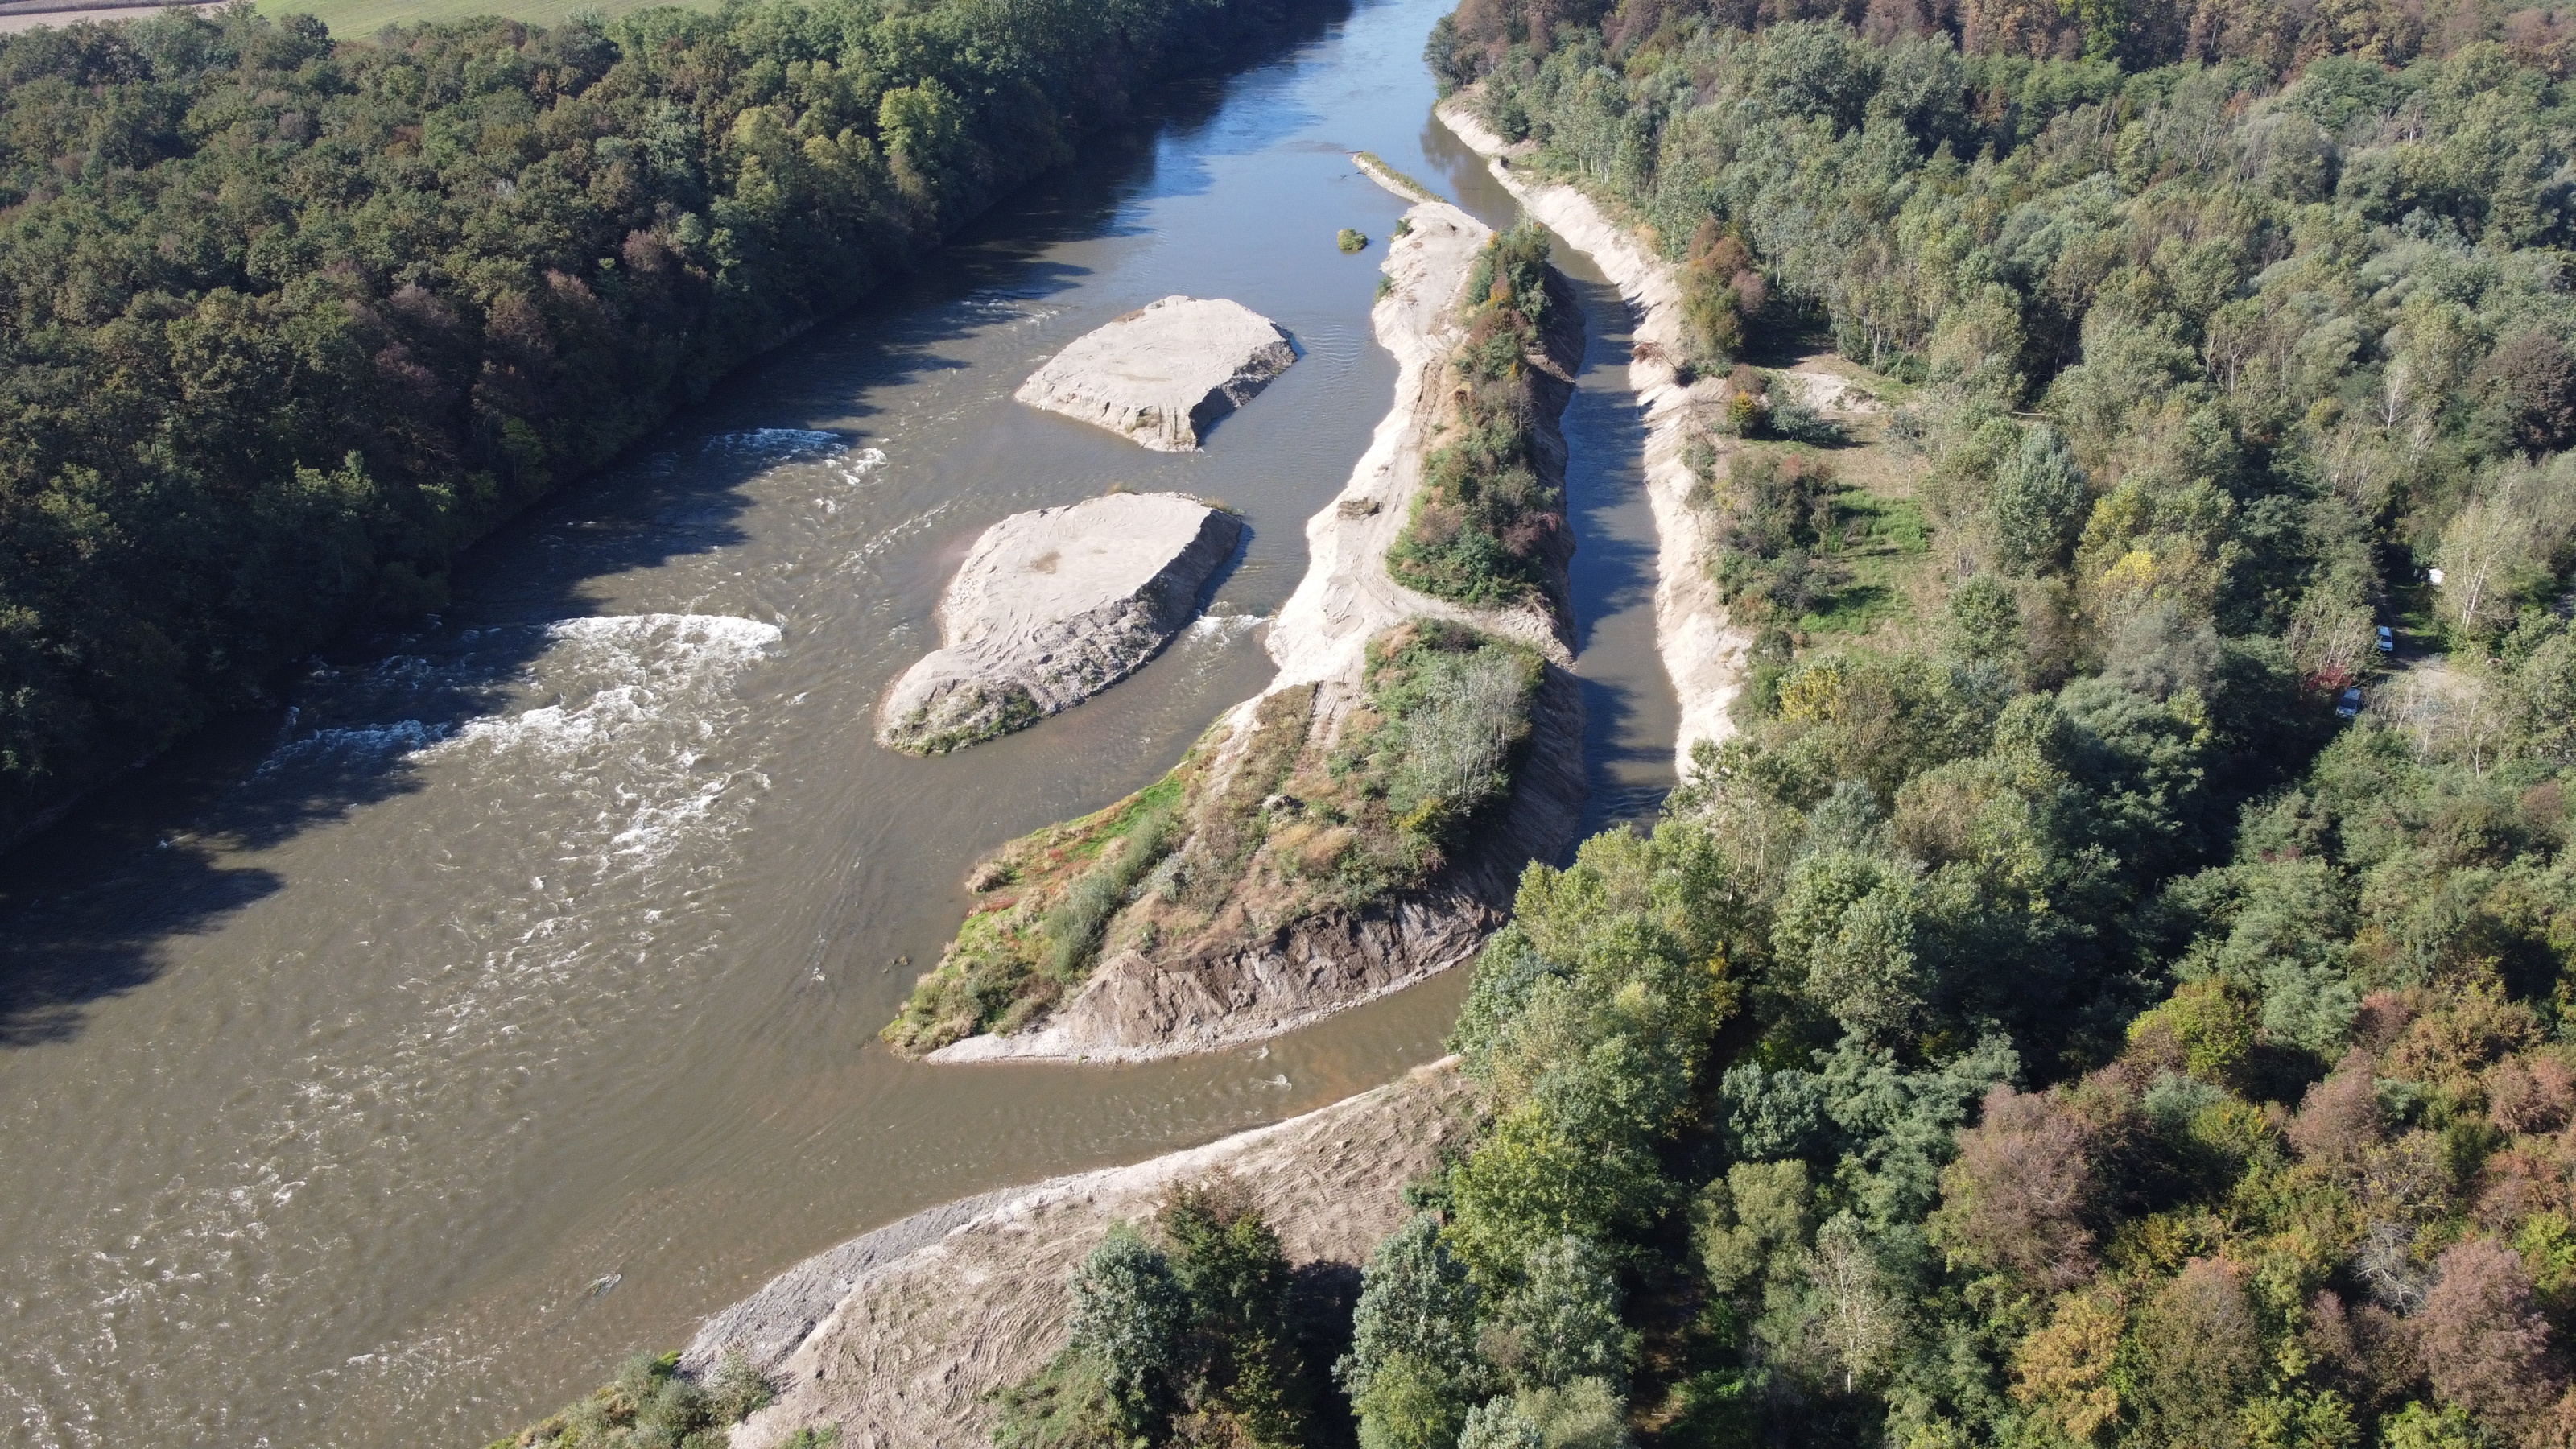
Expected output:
(899, 1336)
(1703, 651)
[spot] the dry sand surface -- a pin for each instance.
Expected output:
(1703, 652)
(901, 1336)
(1163, 373)
(1053, 606)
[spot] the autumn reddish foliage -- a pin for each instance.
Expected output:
(2518, 1182)
(2018, 1196)
(2530, 1094)
(2484, 1342)
(2339, 1118)
(2366, 1351)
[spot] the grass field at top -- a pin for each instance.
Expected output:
(358, 19)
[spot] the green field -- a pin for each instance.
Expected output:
(360, 18)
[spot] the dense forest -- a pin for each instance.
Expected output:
(287, 321)
(2072, 1030)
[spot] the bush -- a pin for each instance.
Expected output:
(1190, 1344)
(1778, 517)
(1562, 1322)
(1129, 1310)
(736, 1390)
(2040, 503)
(1413, 1369)
(1448, 711)
(650, 1406)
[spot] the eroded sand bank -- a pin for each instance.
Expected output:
(900, 1336)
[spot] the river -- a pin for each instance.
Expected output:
(379, 1071)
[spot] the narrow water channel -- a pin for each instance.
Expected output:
(1630, 713)
(379, 1071)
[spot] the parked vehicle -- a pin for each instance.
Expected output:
(2387, 640)
(2348, 703)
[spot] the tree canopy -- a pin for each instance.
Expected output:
(2066, 1030)
(286, 321)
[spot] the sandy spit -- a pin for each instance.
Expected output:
(1703, 651)
(1347, 596)
(900, 1336)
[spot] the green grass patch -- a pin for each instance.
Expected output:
(1044, 904)
(1879, 544)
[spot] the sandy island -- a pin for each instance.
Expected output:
(1050, 608)
(1164, 373)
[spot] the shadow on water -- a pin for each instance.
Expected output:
(1629, 712)
(1627, 736)
(88, 907)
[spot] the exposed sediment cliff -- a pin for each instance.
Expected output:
(1164, 373)
(1052, 607)
(1276, 955)
(900, 1337)
(1703, 651)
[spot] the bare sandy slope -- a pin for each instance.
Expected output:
(900, 1336)
(1703, 652)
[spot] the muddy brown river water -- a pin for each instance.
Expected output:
(378, 1072)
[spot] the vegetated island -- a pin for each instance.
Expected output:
(1165, 372)
(324, 312)
(1359, 825)
(1051, 607)
(1703, 651)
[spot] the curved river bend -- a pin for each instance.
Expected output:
(380, 1073)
